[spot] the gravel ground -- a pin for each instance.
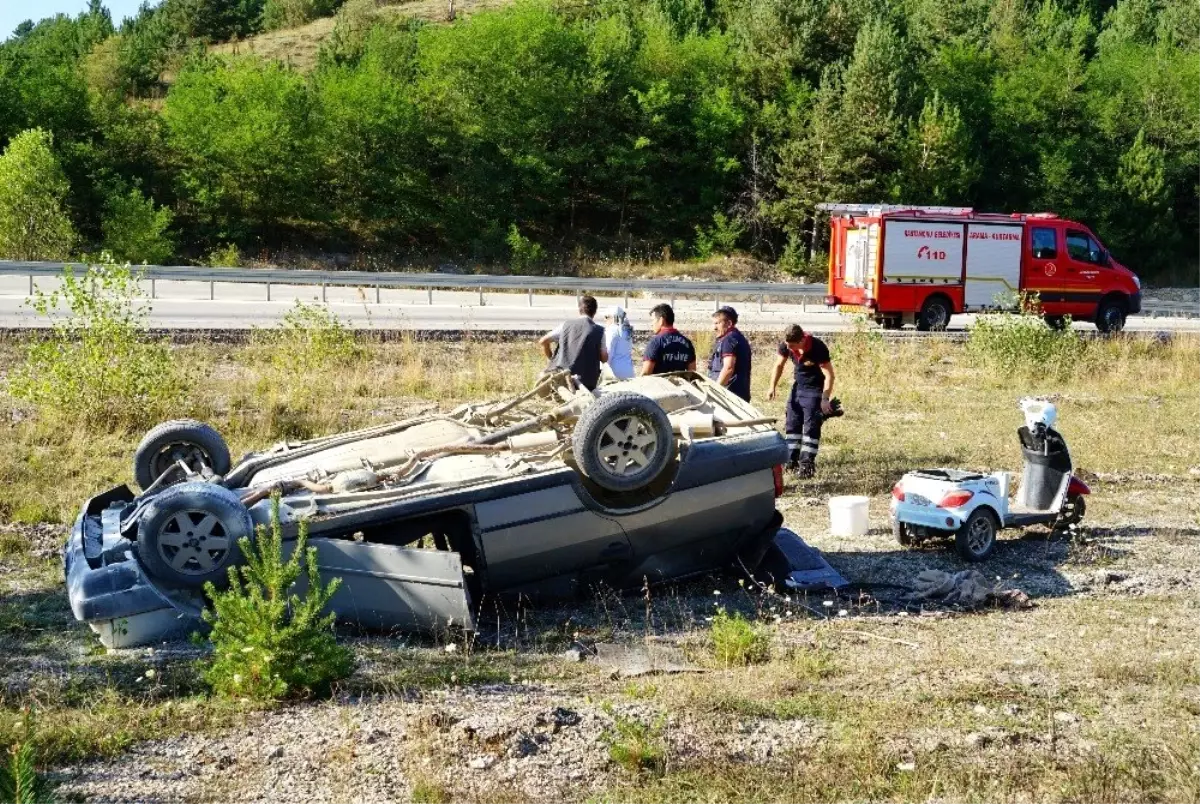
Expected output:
(544, 740)
(537, 743)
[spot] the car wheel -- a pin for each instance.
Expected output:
(188, 535)
(903, 537)
(187, 440)
(1110, 317)
(623, 441)
(934, 315)
(976, 539)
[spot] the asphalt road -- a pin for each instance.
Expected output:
(186, 305)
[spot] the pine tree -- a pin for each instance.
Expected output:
(938, 165)
(267, 644)
(20, 783)
(850, 149)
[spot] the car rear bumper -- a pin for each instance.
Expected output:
(106, 585)
(927, 516)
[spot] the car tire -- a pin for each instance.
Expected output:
(623, 441)
(900, 531)
(976, 539)
(1110, 315)
(935, 314)
(188, 535)
(188, 440)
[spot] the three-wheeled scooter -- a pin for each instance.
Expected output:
(971, 507)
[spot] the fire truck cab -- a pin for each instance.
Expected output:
(920, 265)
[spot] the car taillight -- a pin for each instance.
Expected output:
(898, 492)
(777, 473)
(954, 499)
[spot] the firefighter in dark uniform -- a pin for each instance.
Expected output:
(809, 402)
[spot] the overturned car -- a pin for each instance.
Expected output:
(545, 494)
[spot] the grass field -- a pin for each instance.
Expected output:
(1093, 694)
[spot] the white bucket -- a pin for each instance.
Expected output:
(848, 515)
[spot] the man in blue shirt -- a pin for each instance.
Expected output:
(730, 362)
(668, 349)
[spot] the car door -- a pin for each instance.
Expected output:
(1085, 258)
(547, 534)
(386, 586)
(1053, 275)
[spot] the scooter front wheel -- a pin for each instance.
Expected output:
(1073, 511)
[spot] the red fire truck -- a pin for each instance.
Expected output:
(919, 265)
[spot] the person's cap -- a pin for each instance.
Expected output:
(728, 312)
(615, 312)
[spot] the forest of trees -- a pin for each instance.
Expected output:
(597, 127)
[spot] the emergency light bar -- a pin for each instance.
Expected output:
(881, 209)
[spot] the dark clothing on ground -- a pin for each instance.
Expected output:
(670, 350)
(733, 343)
(802, 429)
(579, 343)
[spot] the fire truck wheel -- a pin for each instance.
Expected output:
(1110, 316)
(935, 314)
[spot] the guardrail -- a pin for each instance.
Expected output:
(530, 284)
(395, 279)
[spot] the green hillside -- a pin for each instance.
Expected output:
(542, 134)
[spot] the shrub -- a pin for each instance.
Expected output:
(98, 366)
(526, 254)
(720, 238)
(33, 224)
(1022, 343)
(20, 783)
(226, 256)
(636, 746)
(309, 337)
(354, 21)
(135, 231)
(267, 644)
(292, 13)
(736, 642)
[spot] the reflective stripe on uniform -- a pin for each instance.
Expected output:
(808, 449)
